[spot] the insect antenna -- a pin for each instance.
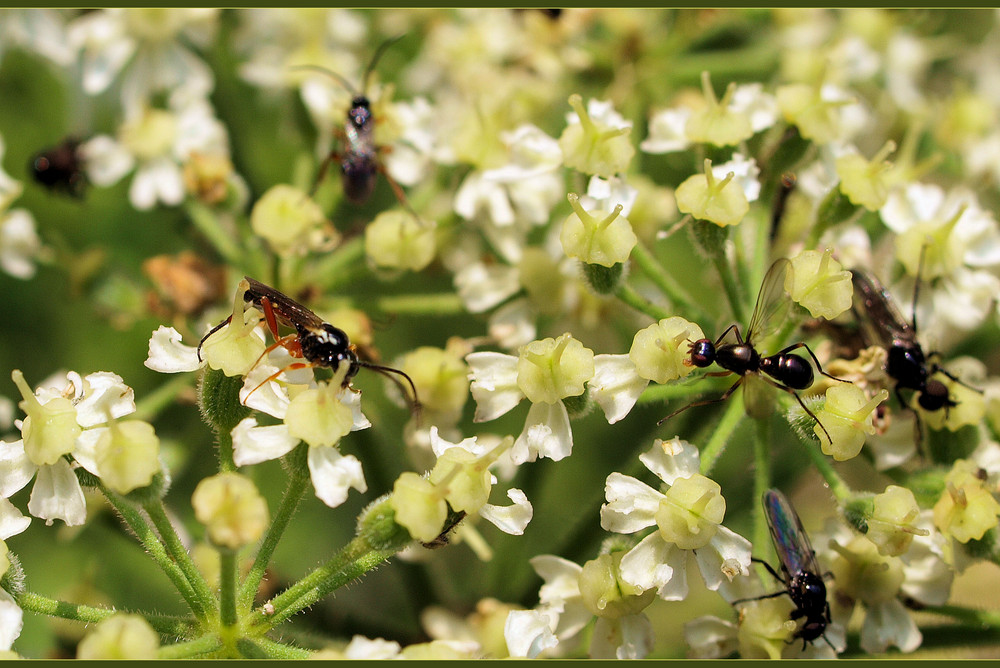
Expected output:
(387, 371)
(333, 75)
(375, 58)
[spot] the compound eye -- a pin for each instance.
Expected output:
(702, 353)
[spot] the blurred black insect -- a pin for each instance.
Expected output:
(358, 154)
(800, 571)
(318, 342)
(60, 168)
(790, 372)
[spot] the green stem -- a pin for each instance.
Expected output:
(356, 559)
(657, 394)
(639, 303)
(678, 296)
(207, 644)
(263, 648)
(332, 270)
(723, 432)
(43, 605)
(297, 485)
(978, 619)
(226, 462)
(228, 578)
(761, 478)
(209, 224)
(730, 286)
(840, 489)
(152, 404)
(176, 548)
(431, 304)
(151, 542)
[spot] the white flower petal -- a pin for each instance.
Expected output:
(85, 450)
(513, 324)
(631, 506)
(546, 433)
(494, 384)
(57, 495)
(615, 386)
(106, 160)
(16, 470)
(11, 620)
(888, 623)
(656, 564)
(672, 459)
(253, 444)
(628, 637)
(510, 519)
(105, 395)
(528, 633)
(362, 648)
(710, 637)
(19, 244)
(168, 355)
(727, 556)
(482, 287)
(334, 474)
(12, 520)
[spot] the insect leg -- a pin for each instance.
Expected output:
(819, 367)
(290, 367)
(703, 403)
(801, 403)
(769, 568)
(739, 339)
(212, 331)
(398, 190)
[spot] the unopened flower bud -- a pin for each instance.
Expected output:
(286, 217)
(121, 636)
(232, 510)
(397, 240)
(127, 455)
(863, 181)
(419, 506)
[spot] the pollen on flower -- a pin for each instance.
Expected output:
(552, 369)
(661, 352)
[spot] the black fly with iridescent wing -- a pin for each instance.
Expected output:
(787, 371)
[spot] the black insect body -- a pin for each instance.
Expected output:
(318, 342)
(884, 325)
(800, 571)
(787, 371)
(358, 154)
(60, 168)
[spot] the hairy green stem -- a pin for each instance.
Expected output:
(268, 649)
(761, 479)
(729, 284)
(640, 303)
(429, 304)
(206, 644)
(151, 542)
(678, 296)
(297, 485)
(731, 419)
(209, 224)
(228, 579)
(152, 404)
(43, 605)
(176, 548)
(333, 269)
(353, 561)
(840, 489)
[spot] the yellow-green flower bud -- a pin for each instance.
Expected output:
(803, 106)
(707, 199)
(150, 134)
(863, 181)
(891, 525)
(232, 510)
(121, 636)
(661, 352)
(966, 509)
(847, 416)
(441, 377)
(716, 123)
(419, 506)
(605, 594)
(690, 512)
(235, 348)
(593, 146)
(318, 416)
(820, 284)
(541, 278)
(552, 369)
(765, 628)
(286, 217)
(970, 407)
(127, 455)
(605, 241)
(398, 240)
(464, 479)
(863, 575)
(50, 430)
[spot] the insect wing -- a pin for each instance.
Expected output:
(772, 304)
(758, 396)
(790, 540)
(286, 310)
(880, 318)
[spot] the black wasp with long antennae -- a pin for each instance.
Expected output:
(800, 571)
(358, 154)
(882, 324)
(60, 168)
(787, 371)
(318, 342)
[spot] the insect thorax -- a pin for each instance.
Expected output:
(326, 346)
